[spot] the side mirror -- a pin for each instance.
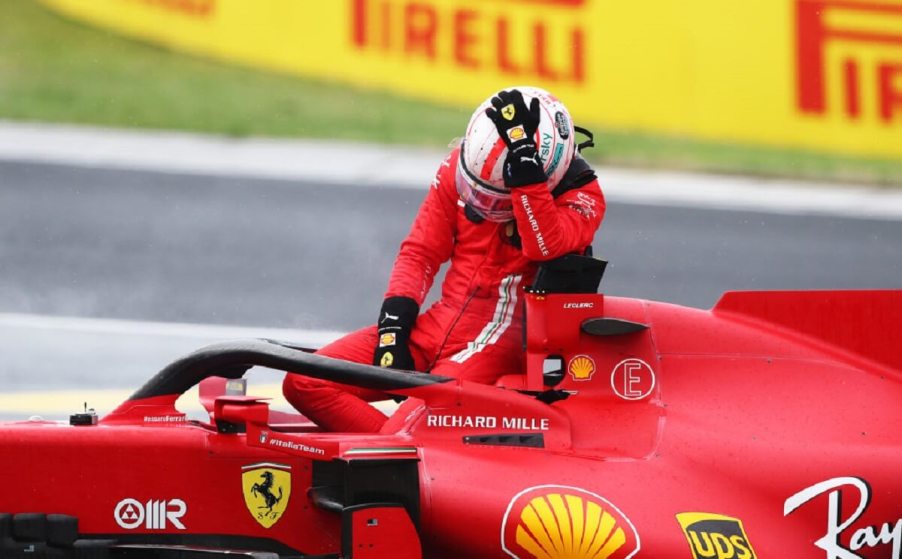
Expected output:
(232, 414)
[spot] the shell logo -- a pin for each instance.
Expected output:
(560, 522)
(581, 367)
(516, 133)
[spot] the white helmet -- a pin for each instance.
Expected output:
(480, 182)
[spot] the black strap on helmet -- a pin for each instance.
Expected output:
(472, 215)
(578, 174)
(590, 143)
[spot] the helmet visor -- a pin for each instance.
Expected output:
(486, 201)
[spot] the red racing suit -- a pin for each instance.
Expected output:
(474, 331)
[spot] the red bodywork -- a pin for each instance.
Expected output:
(765, 427)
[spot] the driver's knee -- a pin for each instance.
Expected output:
(301, 391)
(330, 405)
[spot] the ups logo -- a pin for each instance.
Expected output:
(714, 536)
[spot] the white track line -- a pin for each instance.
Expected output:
(308, 160)
(59, 403)
(112, 327)
(369, 166)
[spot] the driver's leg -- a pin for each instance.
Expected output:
(334, 406)
(485, 359)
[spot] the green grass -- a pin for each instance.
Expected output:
(52, 69)
(55, 70)
(663, 152)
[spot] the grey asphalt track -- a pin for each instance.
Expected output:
(165, 247)
(153, 246)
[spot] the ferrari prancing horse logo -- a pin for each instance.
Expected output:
(267, 488)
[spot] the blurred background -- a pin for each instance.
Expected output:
(177, 172)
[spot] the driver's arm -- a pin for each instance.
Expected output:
(430, 240)
(552, 227)
(426, 247)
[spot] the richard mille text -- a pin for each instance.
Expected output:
(488, 422)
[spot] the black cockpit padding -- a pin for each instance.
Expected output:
(571, 273)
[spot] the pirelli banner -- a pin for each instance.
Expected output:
(824, 75)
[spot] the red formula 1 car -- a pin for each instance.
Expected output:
(765, 427)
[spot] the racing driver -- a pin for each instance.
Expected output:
(514, 193)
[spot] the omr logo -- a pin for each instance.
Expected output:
(152, 515)
(866, 39)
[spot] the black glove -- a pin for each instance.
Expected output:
(517, 126)
(396, 320)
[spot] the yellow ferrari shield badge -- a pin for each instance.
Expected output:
(508, 112)
(267, 488)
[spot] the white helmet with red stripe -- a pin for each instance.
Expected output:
(480, 182)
